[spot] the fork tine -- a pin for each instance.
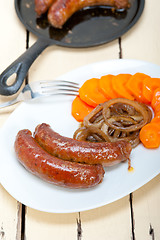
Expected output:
(67, 93)
(60, 87)
(59, 91)
(58, 83)
(63, 94)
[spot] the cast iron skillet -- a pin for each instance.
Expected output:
(86, 28)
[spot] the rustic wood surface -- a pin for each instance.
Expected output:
(136, 216)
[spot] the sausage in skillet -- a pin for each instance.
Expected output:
(41, 6)
(61, 10)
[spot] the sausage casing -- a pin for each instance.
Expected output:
(52, 169)
(41, 6)
(61, 10)
(106, 153)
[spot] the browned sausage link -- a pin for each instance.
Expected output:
(52, 169)
(62, 10)
(104, 153)
(41, 6)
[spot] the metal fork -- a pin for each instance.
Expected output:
(44, 88)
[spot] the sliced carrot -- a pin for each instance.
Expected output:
(118, 84)
(135, 85)
(80, 109)
(157, 110)
(105, 86)
(157, 114)
(156, 98)
(156, 119)
(149, 86)
(90, 94)
(150, 135)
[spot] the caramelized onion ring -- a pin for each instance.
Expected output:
(116, 135)
(138, 107)
(115, 120)
(91, 118)
(97, 134)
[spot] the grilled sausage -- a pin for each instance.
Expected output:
(104, 153)
(52, 169)
(62, 10)
(41, 6)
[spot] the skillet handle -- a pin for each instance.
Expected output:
(20, 67)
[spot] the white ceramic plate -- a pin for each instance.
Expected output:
(118, 182)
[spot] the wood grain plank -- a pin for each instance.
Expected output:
(56, 61)
(9, 217)
(146, 210)
(10, 48)
(41, 225)
(142, 41)
(112, 221)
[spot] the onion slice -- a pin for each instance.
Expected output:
(115, 120)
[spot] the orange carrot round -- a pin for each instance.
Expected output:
(105, 86)
(157, 114)
(150, 135)
(156, 98)
(90, 94)
(118, 84)
(149, 86)
(80, 109)
(156, 119)
(135, 85)
(157, 110)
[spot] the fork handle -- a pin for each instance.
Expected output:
(21, 67)
(9, 103)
